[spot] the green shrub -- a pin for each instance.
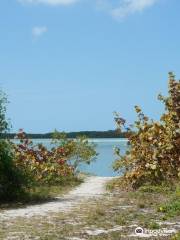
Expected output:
(12, 181)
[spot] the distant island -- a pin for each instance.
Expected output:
(89, 134)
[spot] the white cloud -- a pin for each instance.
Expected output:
(118, 9)
(131, 6)
(39, 31)
(49, 2)
(122, 8)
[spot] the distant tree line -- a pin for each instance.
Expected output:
(88, 134)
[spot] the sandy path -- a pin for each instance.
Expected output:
(93, 187)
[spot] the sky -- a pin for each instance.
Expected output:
(69, 64)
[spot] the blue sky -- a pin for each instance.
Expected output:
(69, 64)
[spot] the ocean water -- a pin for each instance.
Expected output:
(103, 163)
(102, 166)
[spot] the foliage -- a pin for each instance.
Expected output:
(25, 165)
(54, 165)
(12, 180)
(80, 149)
(3, 122)
(156, 189)
(171, 208)
(154, 153)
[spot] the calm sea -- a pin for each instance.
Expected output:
(102, 166)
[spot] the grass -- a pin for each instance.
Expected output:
(42, 194)
(152, 225)
(120, 220)
(164, 188)
(122, 209)
(176, 236)
(171, 208)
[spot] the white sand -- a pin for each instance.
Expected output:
(93, 187)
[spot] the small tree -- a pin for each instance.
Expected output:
(3, 121)
(12, 180)
(81, 151)
(154, 153)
